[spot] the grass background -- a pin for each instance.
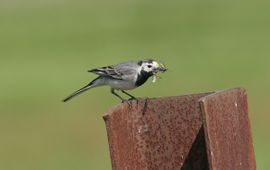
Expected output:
(47, 46)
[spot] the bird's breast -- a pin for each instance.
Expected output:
(142, 78)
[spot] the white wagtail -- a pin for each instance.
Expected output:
(123, 76)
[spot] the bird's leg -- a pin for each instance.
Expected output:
(113, 92)
(131, 97)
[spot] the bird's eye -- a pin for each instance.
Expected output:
(149, 66)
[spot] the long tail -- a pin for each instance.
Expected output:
(81, 90)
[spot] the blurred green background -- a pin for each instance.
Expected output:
(47, 46)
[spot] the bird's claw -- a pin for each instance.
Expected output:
(133, 98)
(129, 101)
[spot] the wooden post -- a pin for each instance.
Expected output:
(191, 132)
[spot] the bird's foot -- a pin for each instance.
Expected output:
(133, 98)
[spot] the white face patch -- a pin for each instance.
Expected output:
(149, 67)
(152, 67)
(155, 64)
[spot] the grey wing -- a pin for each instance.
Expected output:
(122, 71)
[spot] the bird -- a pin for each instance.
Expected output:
(123, 76)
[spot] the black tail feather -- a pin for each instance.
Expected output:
(81, 90)
(76, 93)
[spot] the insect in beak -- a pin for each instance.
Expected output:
(162, 67)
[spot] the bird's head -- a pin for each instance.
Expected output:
(152, 66)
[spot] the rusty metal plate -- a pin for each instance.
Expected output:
(156, 134)
(227, 130)
(191, 132)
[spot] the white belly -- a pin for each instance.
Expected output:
(120, 84)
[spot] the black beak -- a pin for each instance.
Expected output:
(162, 69)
